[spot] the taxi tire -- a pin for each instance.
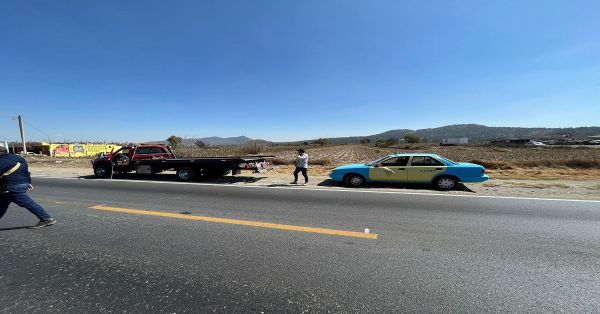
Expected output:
(445, 183)
(354, 180)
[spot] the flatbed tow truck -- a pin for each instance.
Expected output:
(152, 159)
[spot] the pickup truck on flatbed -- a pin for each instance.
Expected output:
(152, 159)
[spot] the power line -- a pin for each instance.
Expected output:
(44, 133)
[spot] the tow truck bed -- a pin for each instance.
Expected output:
(151, 159)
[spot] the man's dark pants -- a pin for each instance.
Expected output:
(17, 194)
(304, 173)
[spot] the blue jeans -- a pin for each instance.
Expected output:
(17, 194)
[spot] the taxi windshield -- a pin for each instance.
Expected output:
(378, 160)
(448, 160)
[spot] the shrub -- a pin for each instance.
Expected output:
(199, 144)
(253, 148)
(322, 141)
(412, 138)
(174, 140)
(391, 141)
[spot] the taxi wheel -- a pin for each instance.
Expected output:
(445, 183)
(354, 180)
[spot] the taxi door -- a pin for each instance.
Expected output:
(390, 170)
(423, 168)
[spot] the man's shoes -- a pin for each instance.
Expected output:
(44, 223)
(295, 182)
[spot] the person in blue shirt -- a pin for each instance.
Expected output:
(15, 182)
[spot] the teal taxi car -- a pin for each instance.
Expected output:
(433, 169)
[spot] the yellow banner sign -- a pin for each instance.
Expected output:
(80, 150)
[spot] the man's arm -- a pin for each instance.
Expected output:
(10, 170)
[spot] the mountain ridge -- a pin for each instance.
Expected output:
(475, 133)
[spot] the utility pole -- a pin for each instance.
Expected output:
(22, 135)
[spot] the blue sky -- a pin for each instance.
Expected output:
(292, 70)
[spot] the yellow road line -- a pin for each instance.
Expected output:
(240, 222)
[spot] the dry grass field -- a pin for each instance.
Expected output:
(501, 162)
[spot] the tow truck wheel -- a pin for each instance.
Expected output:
(185, 174)
(101, 171)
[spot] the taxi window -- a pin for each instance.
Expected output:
(396, 161)
(425, 161)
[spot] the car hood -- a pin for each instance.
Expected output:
(468, 164)
(351, 166)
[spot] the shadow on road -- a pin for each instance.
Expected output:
(173, 178)
(285, 184)
(245, 179)
(330, 183)
(15, 228)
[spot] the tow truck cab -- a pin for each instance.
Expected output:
(143, 152)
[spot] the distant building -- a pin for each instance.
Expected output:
(520, 141)
(454, 141)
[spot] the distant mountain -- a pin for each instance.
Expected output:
(476, 132)
(215, 140)
(356, 139)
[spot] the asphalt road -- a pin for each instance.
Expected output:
(433, 253)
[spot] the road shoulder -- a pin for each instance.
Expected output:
(534, 188)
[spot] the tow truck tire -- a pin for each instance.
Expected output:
(185, 174)
(102, 172)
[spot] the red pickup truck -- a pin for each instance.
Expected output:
(152, 159)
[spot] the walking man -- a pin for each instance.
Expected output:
(15, 182)
(301, 166)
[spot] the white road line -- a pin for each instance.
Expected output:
(324, 189)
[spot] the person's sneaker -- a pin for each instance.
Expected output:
(44, 223)
(295, 182)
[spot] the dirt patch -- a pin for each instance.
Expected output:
(545, 174)
(52, 162)
(538, 185)
(594, 187)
